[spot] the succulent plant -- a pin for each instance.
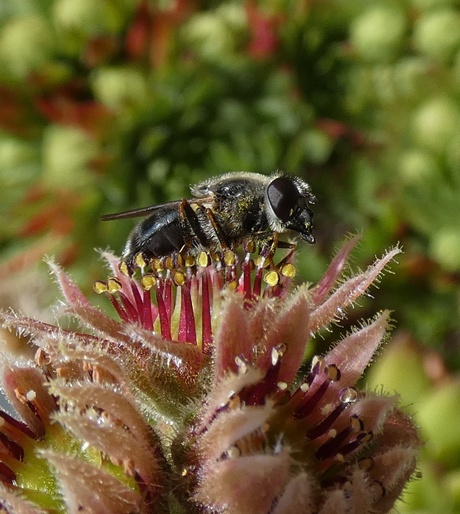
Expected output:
(199, 398)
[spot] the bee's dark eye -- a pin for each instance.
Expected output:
(283, 197)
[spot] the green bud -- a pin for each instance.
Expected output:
(439, 414)
(67, 153)
(378, 34)
(436, 122)
(317, 146)
(25, 44)
(437, 34)
(88, 16)
(215, 34)
(409, 73)
(14, 152)
(119, 87)
(445, 247)
(428, 4)
(452, 480)
(416, 166)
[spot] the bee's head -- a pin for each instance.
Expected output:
(286, 205)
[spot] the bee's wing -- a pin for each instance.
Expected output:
(145, 211)
(136, 213)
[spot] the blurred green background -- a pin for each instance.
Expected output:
(107, 105)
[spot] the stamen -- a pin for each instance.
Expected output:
(322, 427)
(233, 452)
(140, 261)
(377, 489)
(312, 401)
(288, 270)
(7, 475)
(348, 395)
(147, 315)
(206, 325)
(203, 259)
(187, 329)
(163, 314)
(99, 287)
(272, 278)
(332, 373)
(113, 285)
(11, 448)
(242, 364)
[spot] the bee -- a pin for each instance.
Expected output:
(224, 211)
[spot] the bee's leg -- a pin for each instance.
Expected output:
(190, 225)
(286, 245)
(223, 241)
(269, 248)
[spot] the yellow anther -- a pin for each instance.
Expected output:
(148, 281)
(123, 267)
(231, 286)
(250, 246)
(189, 261)
(140, 261)
(113, 285)
(100, 287)
(229, 258)
(272, 278)
(156, 264)
(203, 259)
(179, 278)
(288, 270)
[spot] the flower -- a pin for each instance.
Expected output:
(197, 399)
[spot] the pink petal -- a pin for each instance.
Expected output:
(160, 359)
(233, 337)
(25, 389)
(88, 489)
(79, 305)
(333, 308)
(108, 398)
(290, 327)
(244, 484)
(393, 469)
(108, 435)
(229, 427)
(334, 270)
(353, 353)
(298, 496)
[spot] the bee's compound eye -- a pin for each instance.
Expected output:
(283, 197)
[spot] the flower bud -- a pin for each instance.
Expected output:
(445, 247)
(25, 44)
(15, 154)
(87, 16)
(437, 34)
(67, 152)
(437, 415)
(378, 34)
(436, 122)
(416, 166)
(119, 87)
(215, 34)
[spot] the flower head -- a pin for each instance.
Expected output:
(198, 400)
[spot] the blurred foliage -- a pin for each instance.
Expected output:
(116, 104)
